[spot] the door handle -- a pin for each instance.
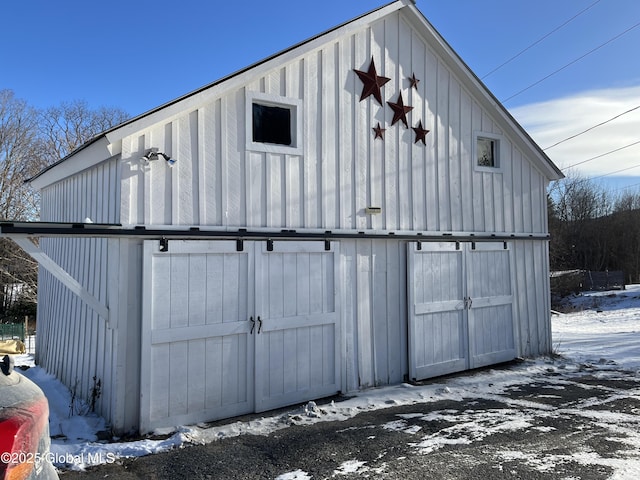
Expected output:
(467, 303)
(259, 324)
(253, 325)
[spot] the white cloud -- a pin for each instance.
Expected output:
(552, 121)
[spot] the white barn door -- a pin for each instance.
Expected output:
(226, 333)
(297, 341)
(197, 349)
(491, 325)
(437, 329)
(460, 307)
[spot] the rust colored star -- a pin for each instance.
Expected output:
(400, 111)
(372, 82)
(413, 81)
(379, 132)
(421, 133)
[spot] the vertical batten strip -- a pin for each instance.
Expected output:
(345, 149)
(201, 182)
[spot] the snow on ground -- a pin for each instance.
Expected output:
(602, 330)
(605, 326)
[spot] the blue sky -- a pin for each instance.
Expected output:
(137, 55)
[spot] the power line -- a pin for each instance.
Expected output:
(617, 171)
(628, 186)
(571, 63)
(602, 155)
(538, 41)
(591, 128)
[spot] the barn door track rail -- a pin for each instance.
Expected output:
(52, 229)
(23, 233)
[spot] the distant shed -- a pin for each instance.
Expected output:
(355, 211)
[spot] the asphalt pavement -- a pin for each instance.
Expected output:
(579, 425)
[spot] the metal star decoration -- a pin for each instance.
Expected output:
(372, 82)
(421, 133)
(379, 132)
(400, 111)
(413, 81)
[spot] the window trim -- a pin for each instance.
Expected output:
(292, 104)
(499, 142)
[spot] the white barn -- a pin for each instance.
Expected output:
(355, 211)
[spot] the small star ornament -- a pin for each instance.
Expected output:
(400, 111)
(413, 81)
(421, 133)
(372, 82)
(378, 132)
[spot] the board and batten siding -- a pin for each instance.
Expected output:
(217, 181)
(73, 342)
(375, 308)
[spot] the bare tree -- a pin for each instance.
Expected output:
(18, 161)
(580, 239)
(18, 157)
(30, 140)
(66, 127)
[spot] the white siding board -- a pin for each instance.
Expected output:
(379, 313)
(404, 70)
(477, 186)
(526, 199)
(416, 168)
(466, 161)
(256, 190)
(294, 183)
(347, 105)
(363, 56)
(275, 192)
(364, 318)
(432, 218)
(312, 129)
(186, 171)
(126, 190)
(442, 105)
(211, 161)
(455, 175)
(383, 165)
(330, 128)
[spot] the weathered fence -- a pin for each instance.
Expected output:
(575, 281)
(604, 280)
(10, 331)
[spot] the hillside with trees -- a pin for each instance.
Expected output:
(593, 228)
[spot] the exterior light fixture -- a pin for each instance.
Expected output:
(153, 154)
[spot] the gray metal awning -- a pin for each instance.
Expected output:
(23, 233)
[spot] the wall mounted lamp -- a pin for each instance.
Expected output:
(153, 154)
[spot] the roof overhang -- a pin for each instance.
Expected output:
(92, 153)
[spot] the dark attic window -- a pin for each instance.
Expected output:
(271, 124)
(487, 154)
(487, 151)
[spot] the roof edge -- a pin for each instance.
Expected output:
(552, 170)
